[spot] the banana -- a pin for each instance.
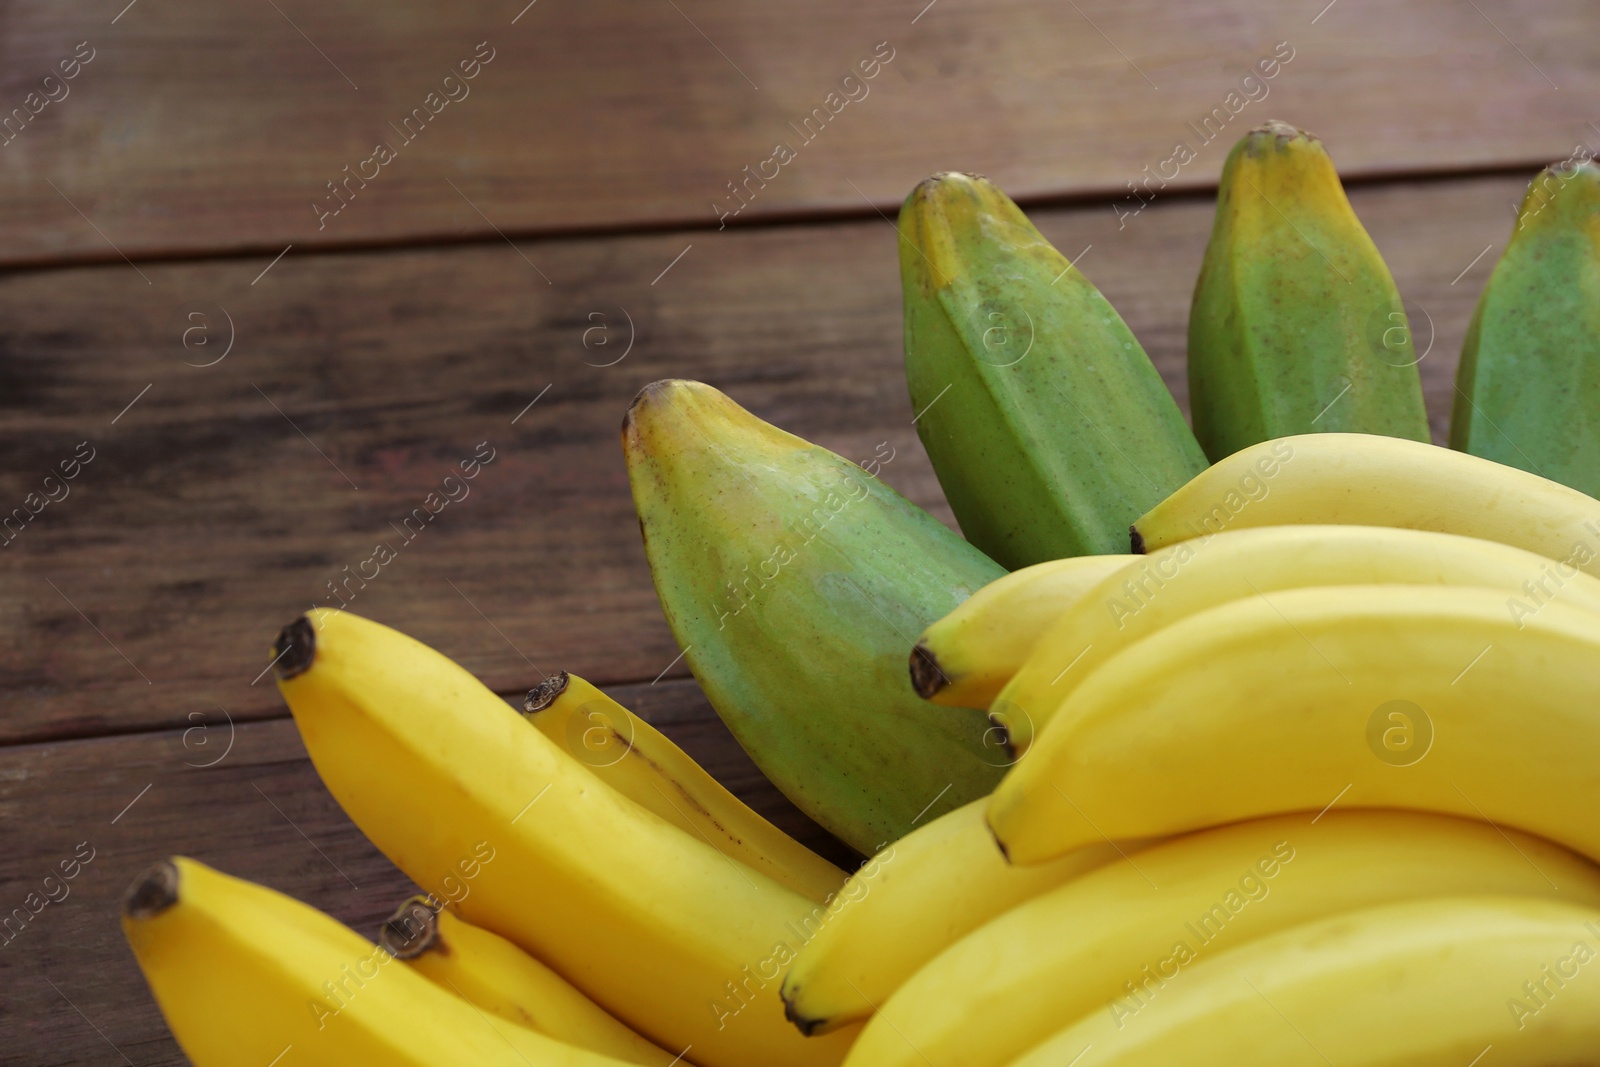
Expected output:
(483, 811)
(498, 977)
(1190, 576)
(924, 892)
(247, 975)
(644, 765)
(965, 658)
(1046, 422)
(1366, 480)
(1296, 325)
(794, 581)
(1426, 983)
(1113, 941)
(1530, 367)
(1428, 698)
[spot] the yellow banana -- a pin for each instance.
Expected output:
(923, 892)
(644, 765)
(501, 979)
(246, 975)
(1430, 698)
(1190, 576)
(1426, 983)
(485, 812)
(1128, 935)
(963, 659)
(1368, 480)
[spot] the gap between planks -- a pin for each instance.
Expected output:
(844, 214)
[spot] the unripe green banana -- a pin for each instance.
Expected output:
(1296, 325)
(1528, 387)
(795, 581)
(1048, 426)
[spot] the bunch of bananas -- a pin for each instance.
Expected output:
(1298, 776)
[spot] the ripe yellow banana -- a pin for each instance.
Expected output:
(485, 812)
(1179, 580)
(925, 891)
(493, 974)
(1368, 480)
(1430, 698)
(246, 975)
(966, 657)
(1128, 935)
(644, 765)
(1426, 983)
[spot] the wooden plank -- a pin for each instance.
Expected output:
(259, 812)
(198, 126)
(225, 500)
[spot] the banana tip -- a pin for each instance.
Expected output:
(807, 1026)
(294, 649)
(655, 390)
(1135, 541)
(544, 694)
(926, 676)
(153, 892)
(1001, 729)
(933, 181)
(412, 930)
(1283, 132)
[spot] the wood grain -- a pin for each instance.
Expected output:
(214, 127)
(260, 813)
(225, 500)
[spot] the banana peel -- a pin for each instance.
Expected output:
(1528, 385)
(1049, 428)
(1296, 324)
(795, 582)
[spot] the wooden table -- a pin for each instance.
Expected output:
(266, 385)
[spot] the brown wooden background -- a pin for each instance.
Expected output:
(559, 213)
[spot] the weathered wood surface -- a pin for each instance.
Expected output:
(258, 812)
(224, 495)
(199, 127)
(228, 497)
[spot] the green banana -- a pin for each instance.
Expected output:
(1528, 386)
(1048, 426)
(1296, 325)
(795, 581)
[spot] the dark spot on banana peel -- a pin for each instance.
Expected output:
(1135, 541)
(295, 648)
(153, 892)
(412, 930)
(926, 677)
(544, 694)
